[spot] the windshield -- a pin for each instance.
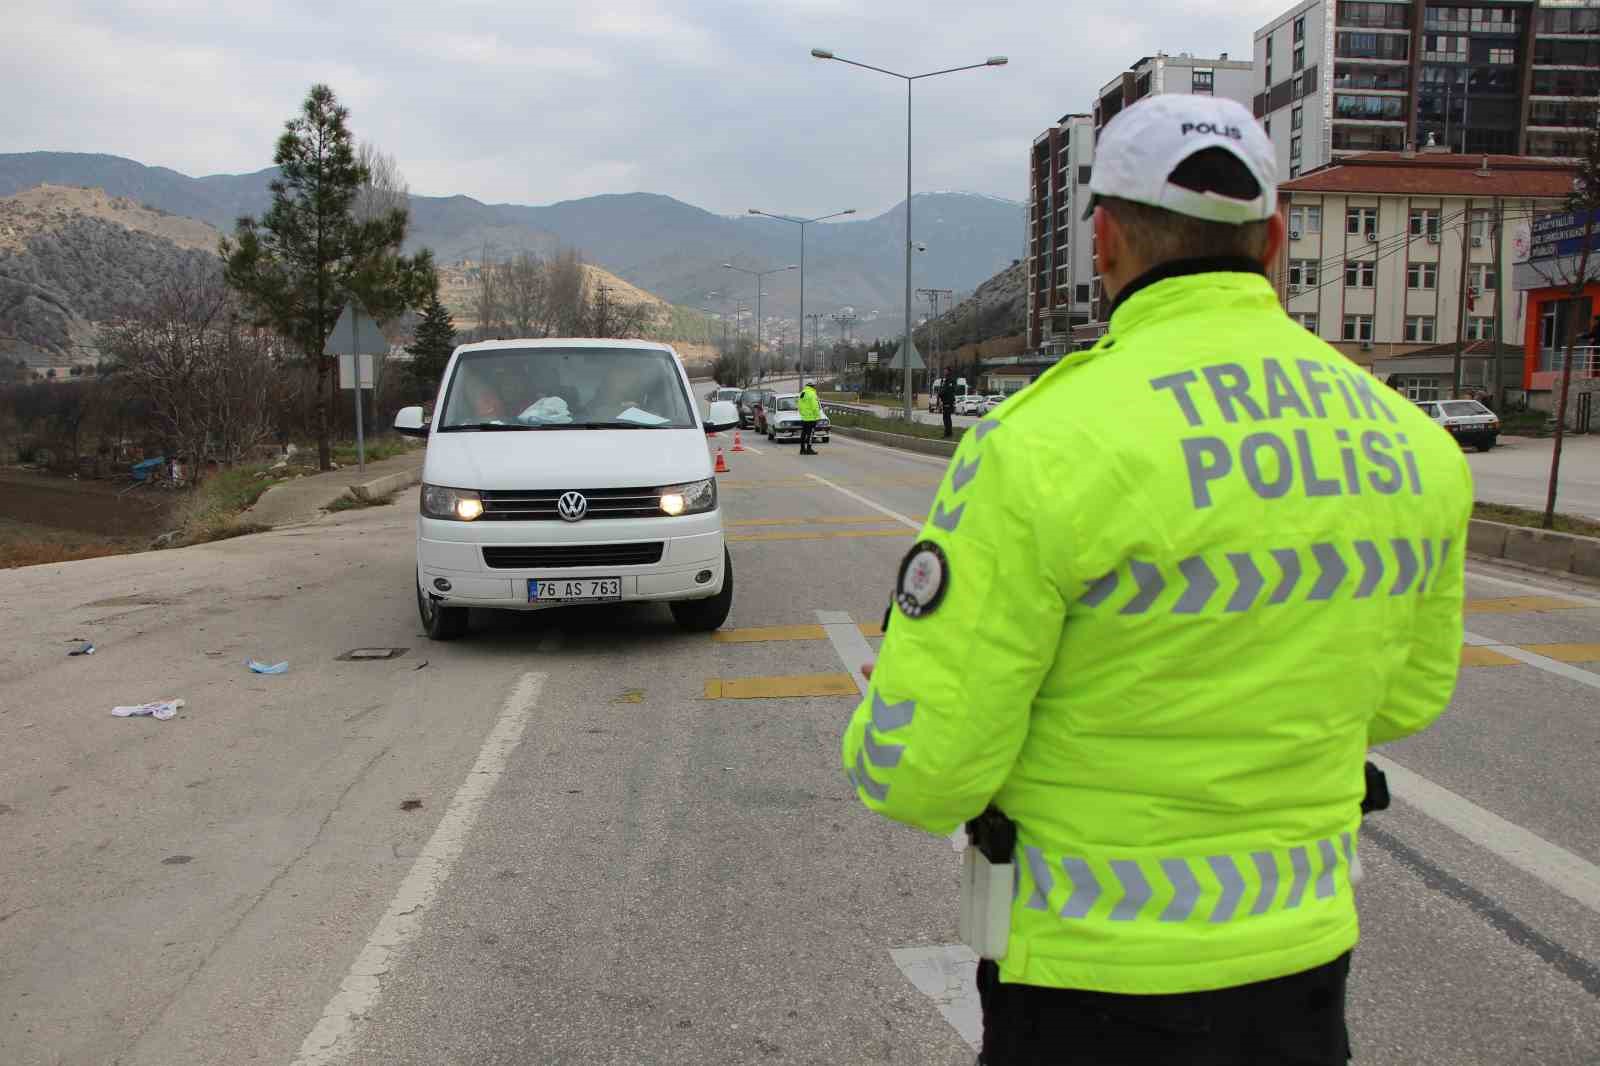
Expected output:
(567, 388)
(1466, 407)
(788, 403)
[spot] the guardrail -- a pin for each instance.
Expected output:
(1585, 359)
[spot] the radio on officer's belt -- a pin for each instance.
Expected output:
(988, 875)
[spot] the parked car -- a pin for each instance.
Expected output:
(723, 394)
(783, 421)
(522, 512)
(1468, 421)
(750, 401)
(970, 404)
(990, 402)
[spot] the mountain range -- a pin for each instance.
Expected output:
(660, 244)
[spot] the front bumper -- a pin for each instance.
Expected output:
(453, 551)
(791, 431)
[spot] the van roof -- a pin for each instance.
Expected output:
(565, 342)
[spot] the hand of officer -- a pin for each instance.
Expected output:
(866, 671)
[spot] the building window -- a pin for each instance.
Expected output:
(1267, 70)
(1294, 149)
(1080, 294)
(1424, 222)
(1297, 88)
(1480, 328)
(1419, 390)
(1305, 220)
(1300, 57)
(1297, 118)
(1419, 329)
(1294, 171)
(1422, 276)
(1269, 46)
(1307, 320)
(1482, 277)
(1303, 273)
(1083, 175)
(1300, 29)
(1360, 274)
(1503, 56)
(1202, 81)
(1480, 226)
(1359, 220)
(1358, 328)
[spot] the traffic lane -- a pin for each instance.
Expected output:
(163, 882)
(1447, 975)
(1517, 472)
(664, 876)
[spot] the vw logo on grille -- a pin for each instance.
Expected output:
(573, 506)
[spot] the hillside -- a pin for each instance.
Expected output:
(994, 314)
(654, 242)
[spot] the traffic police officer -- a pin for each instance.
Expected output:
(810, 414)
(1165, 601)
(947, 402)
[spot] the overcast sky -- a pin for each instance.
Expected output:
(529, 101)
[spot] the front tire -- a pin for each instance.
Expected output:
(438, 621)
(702, 616)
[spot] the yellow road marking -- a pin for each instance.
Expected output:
(1476, 656)
(1565, 653)
(759, 634)
(771, 688)
(829, 520)
(1517, 604)
(841, 534)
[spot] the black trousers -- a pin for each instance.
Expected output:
(948, 428)
(1289, 1021)
(806, 430)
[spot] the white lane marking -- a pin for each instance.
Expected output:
(332, 1038)
(898, 453)
(1535, 660)
(1569, 874)
(848, 644)
(752, 451)
(1529, 586)
(856, 496)
(947, 974)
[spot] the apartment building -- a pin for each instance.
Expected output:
(1334, 77)
(1393, 256)
(1060, 259)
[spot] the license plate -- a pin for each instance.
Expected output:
(575, 590)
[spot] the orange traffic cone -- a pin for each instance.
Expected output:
(722, 461)
(738, 441)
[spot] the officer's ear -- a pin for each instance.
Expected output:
(1277, 233)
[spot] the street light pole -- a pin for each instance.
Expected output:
(758, 275)
(992, 61)
(802, 223)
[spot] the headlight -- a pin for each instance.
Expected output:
(460, 505)
(696, 497)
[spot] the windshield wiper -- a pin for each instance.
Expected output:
(489, 427)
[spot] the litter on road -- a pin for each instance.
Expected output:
(86, 649)
(263, 668)
(160, 710)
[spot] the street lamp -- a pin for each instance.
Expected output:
(758, 275)
(992, 61)
(802, 223)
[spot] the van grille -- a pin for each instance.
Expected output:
(539, 505)
(638, 553)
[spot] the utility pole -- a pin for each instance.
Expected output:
(1461, 305)
(816, 322)
(1499, 312)
(935, 325)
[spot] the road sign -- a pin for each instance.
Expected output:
(897, 363)
(356, 334)
(347, 371)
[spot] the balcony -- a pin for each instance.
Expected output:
(1585, 361)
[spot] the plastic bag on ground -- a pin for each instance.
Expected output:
(160, 710)
(263, 668)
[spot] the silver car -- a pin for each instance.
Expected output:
(783, 420)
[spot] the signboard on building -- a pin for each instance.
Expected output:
(1552, 249)
(1561, 234)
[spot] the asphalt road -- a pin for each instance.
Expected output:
(563, 841)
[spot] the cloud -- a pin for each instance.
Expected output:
(716, 103)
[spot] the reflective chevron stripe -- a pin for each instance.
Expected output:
(1203, 888)
(1197, 580)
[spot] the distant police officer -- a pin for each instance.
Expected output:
(947, 403)
(1165, 601)
(810, 414)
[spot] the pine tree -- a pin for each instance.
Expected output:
(301, 262)
(435, 341)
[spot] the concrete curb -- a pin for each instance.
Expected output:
(386, 485)
(925, 445)
(1538, 549)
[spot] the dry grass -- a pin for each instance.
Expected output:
(1522, 516)
(22, 544)
(351, 502)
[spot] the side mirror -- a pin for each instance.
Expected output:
(408, 421)
(723, 415)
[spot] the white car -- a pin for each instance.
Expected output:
(1468, 421)
(989, 403)
(568, 471)
(970, 404)
(718, 395)
(783, 420)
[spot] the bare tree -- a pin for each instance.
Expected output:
(567, 288)
(609, 317)
(1574, 273)
(521, 285)
(486, 304)
(208, 375)
(385, 188)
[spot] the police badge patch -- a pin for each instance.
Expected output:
(923, 575)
